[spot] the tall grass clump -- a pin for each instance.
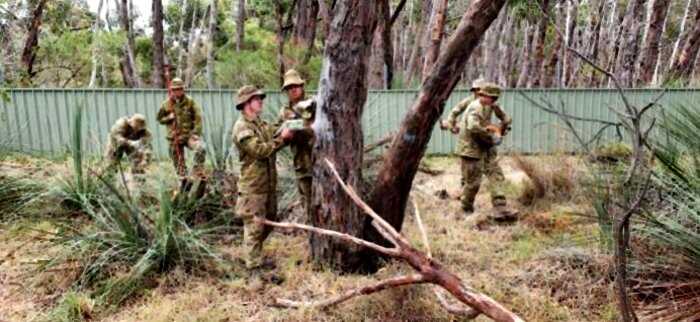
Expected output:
(126, 245)
(667, 265)
(81, 187)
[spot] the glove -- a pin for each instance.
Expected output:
(136, 145)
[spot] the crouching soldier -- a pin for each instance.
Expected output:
(257, 145)
(476, 146)
(129, 136)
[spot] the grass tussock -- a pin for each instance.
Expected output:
(553, 181)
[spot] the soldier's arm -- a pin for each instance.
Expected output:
(117, 134)
(501, 115)
(457, 111)
(163, 113)
(197, 119)
(256, 147)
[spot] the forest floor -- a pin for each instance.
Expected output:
(547, 266)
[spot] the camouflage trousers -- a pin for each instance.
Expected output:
(248, 207)
(472, 172)
(177, 154)
(138, 158)
(304, 187)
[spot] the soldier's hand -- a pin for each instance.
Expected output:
(286, 134)
(170, 117)
(455, 129)
(443, 125)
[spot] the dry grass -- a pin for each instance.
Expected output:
(510, 263)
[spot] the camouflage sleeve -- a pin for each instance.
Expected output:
(117, 132)
(457, 111)
(501, 115)
(249, 143)
(146, 139)
(163, 113)
(197, 112)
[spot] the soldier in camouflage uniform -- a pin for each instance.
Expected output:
(129, 136)
(257, 144)
(183, 117)
(303, 142)
(476, 146)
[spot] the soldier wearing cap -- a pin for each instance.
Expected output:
(477, 148)
(129, 136)
(299, 107)
(257, 145)
(183, 117)
(456, 112)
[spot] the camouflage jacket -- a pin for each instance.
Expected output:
(473, 131)
(303, 142)
(187, 121)
(456, 111)
(122, 133)
(256, 152)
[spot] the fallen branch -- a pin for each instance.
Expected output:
(428, 270)
(382, 142)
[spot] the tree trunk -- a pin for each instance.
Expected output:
(436, 32)
(682, 68)
(419, 45)
(382, 58)
(506, 51)
(240, 25)
(681, 34)
(211, 76)
(341, 97)
(650, 54)
(95, 45)
(195, 45)
(596, 19)
(184, 46)
(491, 44)
(305, 23)
(549, 69)
(540, 39)
(401, 160)
(158, 48)
(571, 15)
(325, 12)
(128, 62)
(629, 47)
(526, 56)
(280, 39)
(32, 43)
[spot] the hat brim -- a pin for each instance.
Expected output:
(258, 93)
(299, 83)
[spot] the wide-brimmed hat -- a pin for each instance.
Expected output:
(246, 93)
(490, 89)
(292, 78)
(137, 121)
(477, 84)
(177, 83)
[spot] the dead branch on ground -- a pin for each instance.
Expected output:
(428, 270)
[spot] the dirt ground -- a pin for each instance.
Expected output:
(548, 266)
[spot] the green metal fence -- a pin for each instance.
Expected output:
(38, 120)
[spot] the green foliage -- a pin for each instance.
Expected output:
(16, 194)
(72, 307)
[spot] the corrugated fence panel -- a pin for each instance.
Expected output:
(39, 120)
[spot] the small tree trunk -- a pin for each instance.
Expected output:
(128, 61)
(526, 56)
(184, 45)
(341, 97)
(681, 34)
(195, 45)
(437, 31)
(540, 39)
(682, 68)
(305, 23)
(240, 25)
(32, 43)
(158, 47)
(280, 39)
(631, 33)
(550, 68)
(650, 54)
(505, 41)
(95, 45)
(571, 15)
(211, 76)
(597, 19)
(401, 160)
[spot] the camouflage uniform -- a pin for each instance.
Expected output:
(478, 154)
(134, 142)
(257, 184)
(303, 142)
(184, 130)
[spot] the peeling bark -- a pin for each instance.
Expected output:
(340, 101)
(158, 47)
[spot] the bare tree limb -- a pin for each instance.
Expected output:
(365, 290)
